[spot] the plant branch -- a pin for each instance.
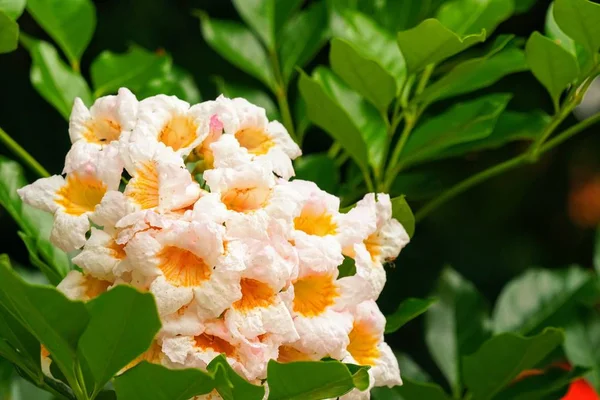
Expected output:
(281, 95)
(495, 170)
(22, 154)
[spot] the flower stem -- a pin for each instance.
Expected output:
(495, 170)
(281, 95)
(22, 154)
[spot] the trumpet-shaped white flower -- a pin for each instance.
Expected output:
(367, 347)
(78, 286)
(98, 131)
(72, 200)
(173, 122)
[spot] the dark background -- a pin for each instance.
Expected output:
(489, 234)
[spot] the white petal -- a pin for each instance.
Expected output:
(42, 193)
(169, 298)
(68, 231)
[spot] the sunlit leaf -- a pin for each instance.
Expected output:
(408, 310)
(403, 213)
(582, 343)
(230, 385)
(12, 8)
(9, 33)
(580, 19)
(472, 16)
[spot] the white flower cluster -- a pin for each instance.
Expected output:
(244, 263)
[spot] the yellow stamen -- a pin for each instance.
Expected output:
(80, 194)
(182, 267)
(313, 294)
(102, 131)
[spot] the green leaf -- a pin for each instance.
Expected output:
(17, 344)
(553, 31)
(236, 43)
(12, 8)
(475, 74)
(9, 34)
(175, 82)
(511, 126)
(151, 381)
(415, 390)
(254, 96)
(260, 16)
(70, 23)
(302, 38)
(408, 310)
(230, 385)
(133, 70)
(473, 16)
(365, 76)
(456, 325)
(580, 19)
(314, 379)
(530, 301)
(464, 122)
(431, 42)
(502, 358)
(362, 114)
(402, 212)
(301, 118)
(346, 116)
(552, 384)
(35, 224)
(552, 65)
(123, 323)
(522, 6)
(54, 80)
(372, 42)
(311, 167)
(54, 320)
(582, 343)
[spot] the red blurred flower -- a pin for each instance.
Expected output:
(581, 390)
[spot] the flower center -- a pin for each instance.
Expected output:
(80, 194)
(179, 132)
(215, 343)
(312, 223)
(245, 199)
(256, 141)
(94, 287)
(182, 267)
(290, 354)
(373, 245)
(143, 188)
(152, 355)
(313, 294)
(254, 294)
(363, 344)
(102, 131)
(117, 250)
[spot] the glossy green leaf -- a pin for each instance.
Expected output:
(254, 96)
(238, 45)
(580, 19)
(408, 310)
(361, 113)
(582, 343)
(553, 31)
(364, 75)
(511, 126)
(133, 70)
(502, 358)
(472, 16)
(552, 384)
(552, 65)
(230, 385)
(54, 320)
(34, 224)
(372, 42)
(346, 116)
(313, 379)
(475, 74)
(301, 118)
(54, 80)
(418, 390)
(464, 122)
(151, 381)
(17, 344)
(302, 37)
(12, 8)
(9, 34)
(456, 325)
(318, 168)
(175, 82)
(403, 213)
(431, 42)
(123, 323)
(70, 23)
(260, 16)
(530, 301)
